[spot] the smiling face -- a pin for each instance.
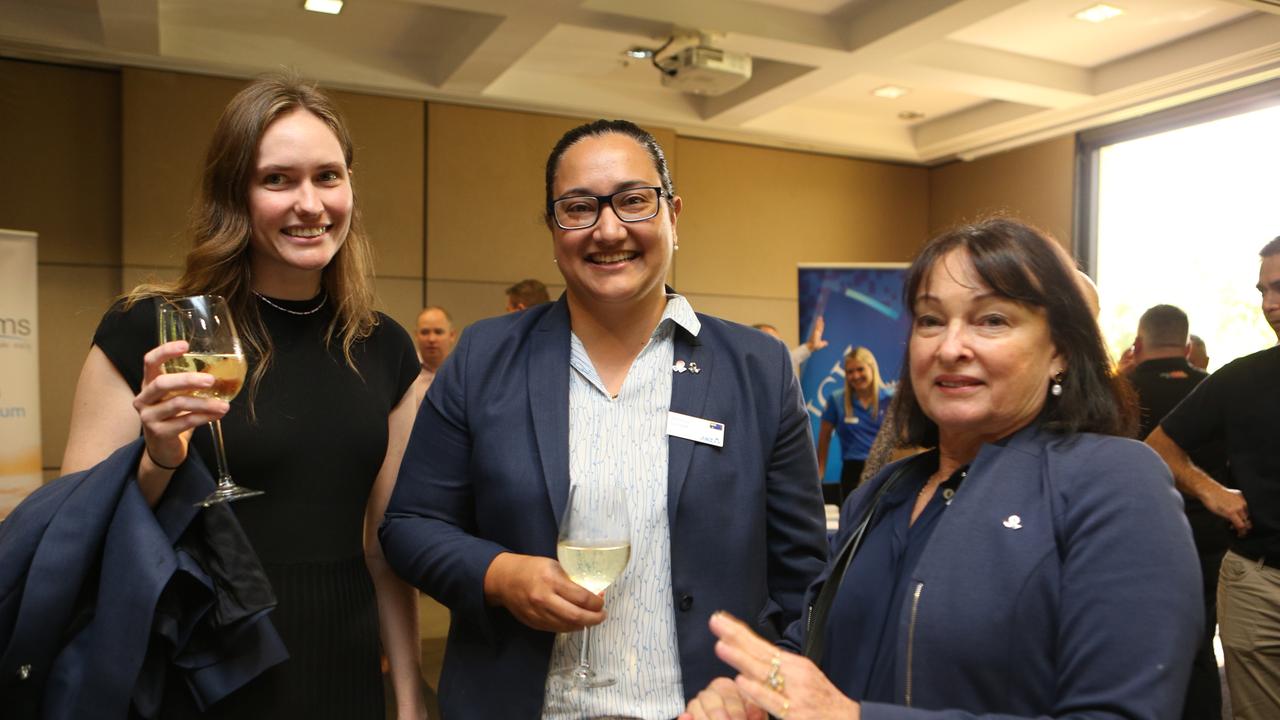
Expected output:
(300, 202)
(856, 374)
(612, 262)
(1269, 286)
(980, 362)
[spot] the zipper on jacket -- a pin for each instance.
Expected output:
(911, 636)
(808, 626)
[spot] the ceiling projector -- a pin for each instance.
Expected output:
(704, 70)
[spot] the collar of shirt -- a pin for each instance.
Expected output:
(678, 311)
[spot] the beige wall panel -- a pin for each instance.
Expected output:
(485, 192)
(1034, 183)
(752, 214)
(782, 314)
(168, 120)
(388, 176)
(72, 301)
(433, 618)
(468, 302)
(132, 276)
(60, 140)
(401, 299)
(485, 196)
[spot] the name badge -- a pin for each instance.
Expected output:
(695, 429)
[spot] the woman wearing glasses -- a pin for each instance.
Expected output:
(696, 421)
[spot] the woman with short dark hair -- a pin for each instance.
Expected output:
(1033, 564)
(624, 392)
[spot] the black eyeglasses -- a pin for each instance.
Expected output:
(630, 205)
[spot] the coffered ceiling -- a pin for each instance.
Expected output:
(981, 75)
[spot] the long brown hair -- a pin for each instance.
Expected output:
(220, 224)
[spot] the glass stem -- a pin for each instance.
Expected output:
(224, 477)
(584, 667)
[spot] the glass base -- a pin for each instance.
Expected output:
(585, 677)
(228, 493)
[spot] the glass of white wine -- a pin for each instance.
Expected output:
(593, 548)
(213, 348)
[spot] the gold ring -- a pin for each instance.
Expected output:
(786, 706)
(775, 681)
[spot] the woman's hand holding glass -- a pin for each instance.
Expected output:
(168, 407)
(786, 685)
(594, 548)
(213, 348)
(538, 592)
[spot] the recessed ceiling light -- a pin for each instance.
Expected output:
(1098, 13)
(329, 7)
(890, 92)
(638, 53)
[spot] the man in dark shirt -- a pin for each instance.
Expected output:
(1199, 355)
(1239, 405)
(1162, 377)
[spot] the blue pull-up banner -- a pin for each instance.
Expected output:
(862, 305)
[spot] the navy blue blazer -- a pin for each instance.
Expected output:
(487, 471)
(87, 628)
(1061, 582)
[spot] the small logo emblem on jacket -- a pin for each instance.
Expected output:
(1013, 522)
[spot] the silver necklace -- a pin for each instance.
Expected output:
(324, 298)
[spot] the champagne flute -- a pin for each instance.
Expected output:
(593, 548)
(213, 348)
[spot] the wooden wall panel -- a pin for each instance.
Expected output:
(752, 214)
(60, 141)
(1035, 183)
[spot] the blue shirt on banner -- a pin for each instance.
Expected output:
(856, 433)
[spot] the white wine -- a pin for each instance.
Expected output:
(593, 565)
(227, 370)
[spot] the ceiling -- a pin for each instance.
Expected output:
(983, 75)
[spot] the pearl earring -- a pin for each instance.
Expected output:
(1055, 387)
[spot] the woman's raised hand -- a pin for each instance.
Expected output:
(786, 685)
(167, 409)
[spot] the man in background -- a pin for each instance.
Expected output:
(1239, 405)
(435, 336)
(801, 352)
(525, 294)
(1199, 355)
(1162, 377)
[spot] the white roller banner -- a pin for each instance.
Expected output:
(20, 459)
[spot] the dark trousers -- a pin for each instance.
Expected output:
(1204, 691)
(850, 474)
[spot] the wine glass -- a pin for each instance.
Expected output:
(213, 348)
(593, 548)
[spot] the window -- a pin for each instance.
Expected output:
(1174, 208)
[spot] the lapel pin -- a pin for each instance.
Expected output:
(678, 367)
(1013, 522)
(693, 368)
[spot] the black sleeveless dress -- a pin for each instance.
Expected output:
(315, 447)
